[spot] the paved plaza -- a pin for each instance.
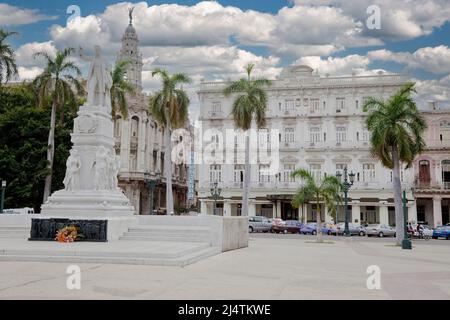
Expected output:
(270, 268)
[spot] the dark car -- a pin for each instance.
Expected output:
(289, 226)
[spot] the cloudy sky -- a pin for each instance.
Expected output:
(213, 40)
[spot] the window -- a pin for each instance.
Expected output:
(305, 102)
(340, 104)
(341, 134)
(316, 171)
(216, 107)
(239, 170)
(288, 169)
(357, 104)
(314, 134)
(215, 173)
(264, 173)
(368, 174)
(134, 127)
(289, 134)
(314, 105)
(298, 102)
(366, 135)
(118, 127)
(340, 168)
(289, 105)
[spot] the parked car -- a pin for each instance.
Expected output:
(311, 228)
(442, 232)
(259, 224)
(380, 230)
(426, 230)
(355, 229)
(292, 226)
(277, 225)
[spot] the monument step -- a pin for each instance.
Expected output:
(187, 249)
(179, 261)
(171, 228)
(14, 228)
(132, 237)
(168, 232)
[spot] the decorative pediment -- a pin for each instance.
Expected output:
(315, 160)
(289, 159)
(342, 159)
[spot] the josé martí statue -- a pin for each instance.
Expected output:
(99, 79)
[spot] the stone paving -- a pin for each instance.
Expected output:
(271, 268)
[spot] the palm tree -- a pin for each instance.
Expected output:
(120, 86)
(397, 129)
(57, 85)
(250, 103)
(8, 67)
(169, 108)
(327, 191)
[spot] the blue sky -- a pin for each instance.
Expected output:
(213, 40)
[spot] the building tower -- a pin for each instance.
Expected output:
(130, 51)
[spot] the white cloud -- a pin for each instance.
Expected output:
(400, 19)
(438, 90)
(29, 73)
(13, 16)
(25, 53)
(431, 59)
(336, 66)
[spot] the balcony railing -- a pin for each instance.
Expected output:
(428, 185)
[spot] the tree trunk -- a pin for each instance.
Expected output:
(168, 171)
(399, 227)
(246, 176)
(319, 221)
(50, 154)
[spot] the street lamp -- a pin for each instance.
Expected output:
(151, 184)
(349, 179)
(406, 243)
(2, 202)
(215, 193)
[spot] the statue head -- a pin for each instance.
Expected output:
(73, 152)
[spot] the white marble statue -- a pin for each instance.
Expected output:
(99, 79)
(73, 166)
(101, 174)
(113, 170)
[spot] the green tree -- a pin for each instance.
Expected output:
(59, 85)
(8, 67)
(326, 192)
(397, 128)
(23, 132)
(169, 107)
(120, 87)
(250, 103)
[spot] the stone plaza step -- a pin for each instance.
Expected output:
(14, 232)
(153, 261)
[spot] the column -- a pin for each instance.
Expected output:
(141, 146)
(251, 209)
(437, 211)
(227, 208)
(278, 209)
(125, 146)
(384, 213)
(203, 207)
(356, 212)
(300, 212)
(412, 212)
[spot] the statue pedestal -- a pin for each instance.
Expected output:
(91, 179)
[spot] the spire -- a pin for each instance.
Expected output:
(130, 52)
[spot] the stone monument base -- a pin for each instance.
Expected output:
(107, 210)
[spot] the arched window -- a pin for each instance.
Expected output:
(134, 127)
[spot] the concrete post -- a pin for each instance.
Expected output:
(384, 213)
(227, 208)
(437, 211)
(251, 209)
(356, 212)
(203, 207)
(412, 212)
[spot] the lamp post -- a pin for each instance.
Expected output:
(2, 203)
(151, 184)
(349, 179)
(215, 193)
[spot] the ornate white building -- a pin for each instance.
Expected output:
(321, 128)
(139, 142)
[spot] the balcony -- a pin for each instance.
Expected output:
(216, 114)
(289, 146)
(428, 187)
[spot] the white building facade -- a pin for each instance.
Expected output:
(140, 143)
(321, 128)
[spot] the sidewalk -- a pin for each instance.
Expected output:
(268, 269)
